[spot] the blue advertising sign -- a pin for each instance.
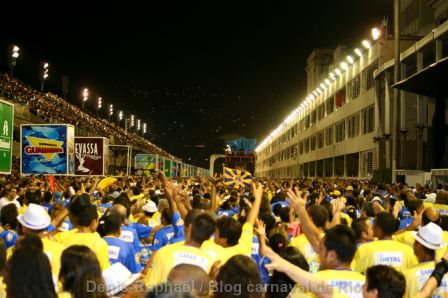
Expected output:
(46, 149)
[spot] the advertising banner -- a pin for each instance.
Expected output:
(46, 149)
(145, 164)
(167, 168)
(90, 156)
(6, 136)
(174, 169)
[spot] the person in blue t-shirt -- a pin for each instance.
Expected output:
(165, 233)
(47, 201)
(118, 250)
(8, 219)
(128, 234)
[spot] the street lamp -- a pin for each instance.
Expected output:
(99, 105)
(14, 54)
(44, 75)
(111, 110)
(85, 96)
(120, 115)
(132, 121)
(144, 129)
(139, 125)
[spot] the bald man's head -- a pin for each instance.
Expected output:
(119, 210)
(431, 215)
(193, 276)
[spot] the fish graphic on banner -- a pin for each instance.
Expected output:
(45, 149)
(237, 178)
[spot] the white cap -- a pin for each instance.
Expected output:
(35, 217)
(377, 199)
(117, 278)
(150, 207)
(431, 198)
(430, 236)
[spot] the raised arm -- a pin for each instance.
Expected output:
(312, 233)
(258, 194)
(308, 281)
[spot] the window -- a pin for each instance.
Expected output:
(354, 87)
(313, 143)
(329, 136)
(321, 112)
(340, 98)
(353, 126)
(340, 131)
(368, 120)
(307, 145)
(313, 117)
(307, 121)
(367, 76)
(367, 163)
(329, 103)
(320, 140)
(301, 148)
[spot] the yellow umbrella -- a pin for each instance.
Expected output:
(105, 182)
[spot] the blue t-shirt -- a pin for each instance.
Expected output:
(47, 207)
(162, 237)
(282, 203)
(142, 230)
(9, 237)
(264, 272)
(129, 235)
(178, 226)
(120, 251)
(228, 213)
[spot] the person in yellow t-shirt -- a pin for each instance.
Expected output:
(231, 236)
(336, 249)
(35, 220)
(384, 251)
(427, 240)
(86, 224)
(170, 255)
(428, 215)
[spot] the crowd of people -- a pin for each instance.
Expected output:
(55, 109)
(195, 237)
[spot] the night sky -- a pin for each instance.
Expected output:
(198, 72)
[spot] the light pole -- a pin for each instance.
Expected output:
(44, 75)
(12, 61)
(85, 96)
(144, 129)
(139, 125)
(111, 111)
(99, 105)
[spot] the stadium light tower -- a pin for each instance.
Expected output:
(139, 125)
(12, 61)
(120, 116)
(85, 96)
(44, 75)
(99, 105)
(144, 129)
(111, 111)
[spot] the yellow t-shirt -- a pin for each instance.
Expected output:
(92, 241)
(244, 246)
(417, 276)
(307, 250)
(171, 255)
(346, 282)
(214, 250)
(443, 209)
(408, 239)
(61, 236)
(53, 250)
(384, 252)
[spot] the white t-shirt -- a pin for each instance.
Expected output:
(4, 201)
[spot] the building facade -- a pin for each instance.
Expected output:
(343, 127)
